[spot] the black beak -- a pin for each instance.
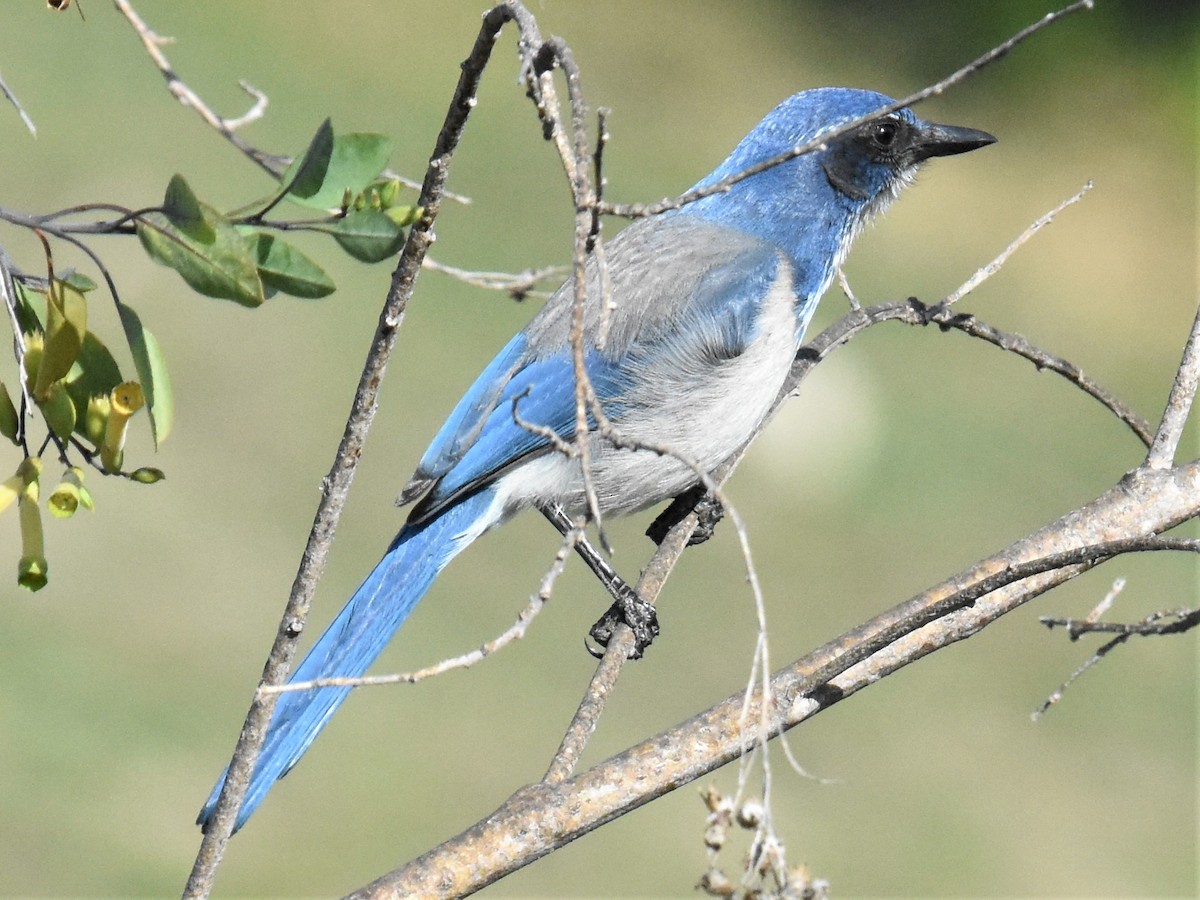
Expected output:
(947, 140)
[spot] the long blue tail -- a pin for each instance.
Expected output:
(355, 638)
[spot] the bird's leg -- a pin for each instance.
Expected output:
(627, 607)
(708, 508)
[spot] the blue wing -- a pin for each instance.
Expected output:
(660, 319)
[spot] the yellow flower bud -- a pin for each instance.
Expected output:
(32, 567)
(126, 399)
(68, 495)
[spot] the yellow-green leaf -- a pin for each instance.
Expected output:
(58, 410)
(10, 420)
(66, 324)
(152, 373)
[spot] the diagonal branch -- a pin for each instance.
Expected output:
(539, 818)
(227, 128)
(336, 486)
(1179, 402)
(637, 210)
(12, 98)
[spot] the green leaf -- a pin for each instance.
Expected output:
(95, 373)
(10, 420)
(152, 373)
(80, 282)
(58, 410)
(404, 215)
(183, 208)
(355, 160)
(206, 251)
(368, 235)
(27, 316)
(66, 324)
(284, 268)
(147, 475)
(305, 176)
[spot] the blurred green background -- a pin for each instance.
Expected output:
(909, 454)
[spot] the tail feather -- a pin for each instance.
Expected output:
(355, 638)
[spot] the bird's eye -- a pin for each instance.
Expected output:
(884, 133)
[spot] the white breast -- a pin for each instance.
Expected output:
(702, 416)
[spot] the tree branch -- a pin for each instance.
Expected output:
(539, 818)
(336, 484)
(1179, 403)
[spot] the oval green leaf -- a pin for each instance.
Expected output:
(368, 235)
(66, 324)
(218, 267)
(355, 160)
(10, 420)
(152, 373)
(58, 410)
(284, 268)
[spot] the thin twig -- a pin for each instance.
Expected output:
(1043, 360)
(1163, 622)
(518, 285)
(1180, 621)
(993, 267)
(8, 289)
(12, 98)
(514, 632)
(179, 89)
(638, 210)
(844, 284)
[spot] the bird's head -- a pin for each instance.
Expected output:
(815, 203)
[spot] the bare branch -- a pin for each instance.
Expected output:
(336, 485)
(1179, 403)
(12, 98)
(638, 210)
(1166, 621)
(1175, 621)
(541, 817)
(518, 285)
(993, 267)
(153, 42)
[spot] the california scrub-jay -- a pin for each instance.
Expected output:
(709, 306)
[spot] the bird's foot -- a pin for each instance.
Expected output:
(629, 609)
(707, 507)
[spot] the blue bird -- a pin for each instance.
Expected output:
(711, 303)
